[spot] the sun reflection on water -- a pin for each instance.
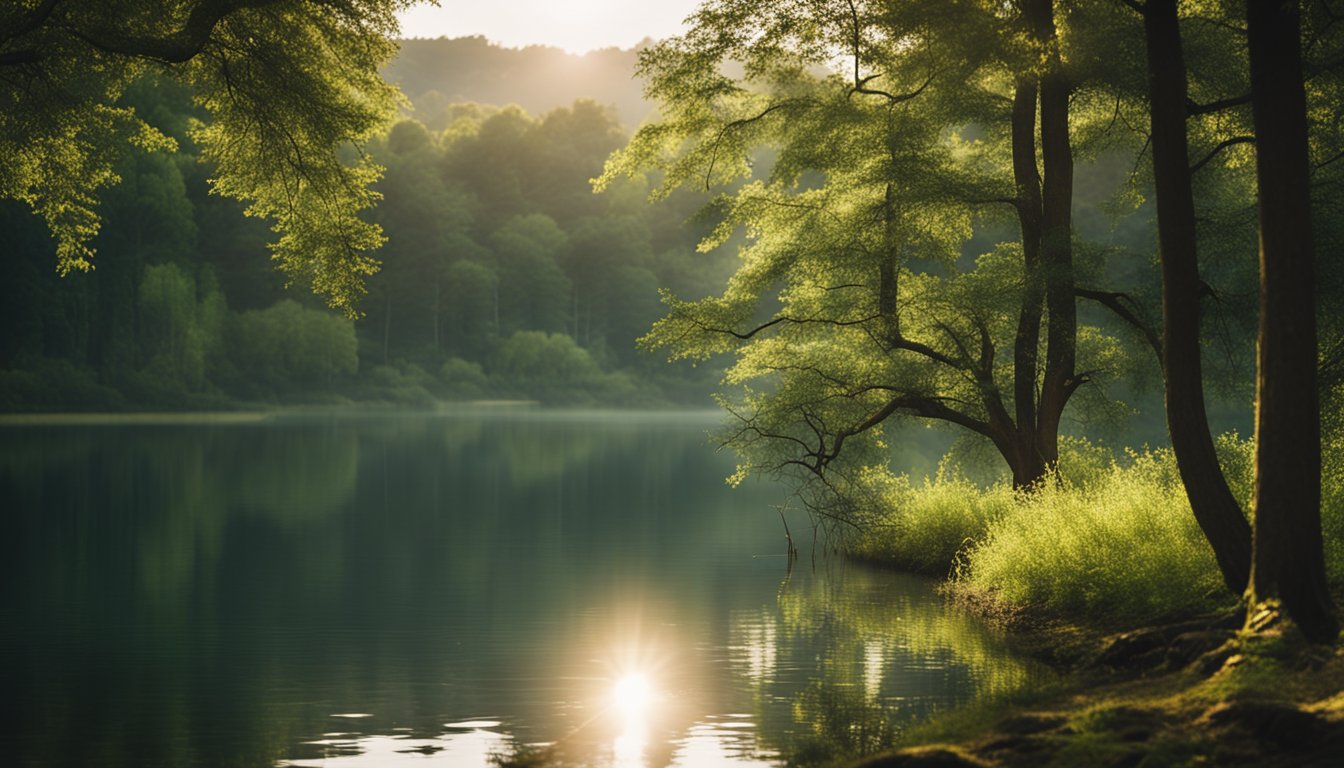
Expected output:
(824, 668)
(627, 751)
(631, 699)
(632, 695)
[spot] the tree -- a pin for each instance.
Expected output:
(1215, 508)
(854, 303)
(422, 214)
(1288, 548)
(1288, 560)
(287, 85)
(534, 293)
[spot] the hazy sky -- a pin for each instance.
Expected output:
(575, 25)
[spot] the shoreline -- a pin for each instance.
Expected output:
(253, 413)
(1198, 691)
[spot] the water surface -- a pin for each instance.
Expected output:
(441, 588)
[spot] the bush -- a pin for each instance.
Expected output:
(1124, 547)
(405, 385)
(1114, 540)
(288, 344)
(925, 525)
(550, 367)
(53, 384)
(462, 379)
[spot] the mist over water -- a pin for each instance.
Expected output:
(341, 589)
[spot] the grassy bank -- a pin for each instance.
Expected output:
(1113, 544)
(1251, 699)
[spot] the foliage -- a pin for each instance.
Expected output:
(549, 365)
(1114, 541)
(183, 277)
(463, 378)
(923, 526)
(55, 383)
(286, 84)
(171, 333)
(866, 152)
(1123, 548)
(291, 344)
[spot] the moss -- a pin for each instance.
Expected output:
(1276, 702)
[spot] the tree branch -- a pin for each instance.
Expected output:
(901, 342)
(1224, 144)
(1116, 302)
(714, 153)
(892, 98)
(1193, 108)
(176, 47)
(860, 83)
(776, 321)
(919, 405)
(31, 21)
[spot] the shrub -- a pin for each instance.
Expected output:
(462, 379)
(404, 385)
(54, 384)
(1115, 539)
(923, 526)
(287, 344)
(1124, 547)
(548, 366)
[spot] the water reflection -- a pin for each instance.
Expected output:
(456, 746)
(450, 588)
(628, 749)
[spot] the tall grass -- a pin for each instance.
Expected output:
(1114, 540)
(1121, 545)
(921, 526)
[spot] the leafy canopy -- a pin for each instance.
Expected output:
(863, 149)
(291, 89)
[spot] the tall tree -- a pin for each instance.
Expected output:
(875, 177)
(1288, 560)
(286, 83)
(1215, 508)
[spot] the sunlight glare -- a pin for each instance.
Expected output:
(577, 26)
(632, 694)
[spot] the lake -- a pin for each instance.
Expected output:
(447, 588)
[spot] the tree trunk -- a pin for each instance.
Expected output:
(387, 326)
(1288, 559)
(1059, 381)
(438, 289)
(1215, 508)
(888, 271)
(1027, 179)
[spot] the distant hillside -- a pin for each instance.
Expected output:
(436, 73)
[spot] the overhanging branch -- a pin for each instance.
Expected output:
(176, 47)
(1118, 303)
(1224, 144)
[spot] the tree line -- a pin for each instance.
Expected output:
(502, 275)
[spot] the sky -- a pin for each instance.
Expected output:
(577, 26)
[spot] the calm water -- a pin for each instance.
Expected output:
(414, 589)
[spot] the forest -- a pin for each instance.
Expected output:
(1038, 301)
(503, 276)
